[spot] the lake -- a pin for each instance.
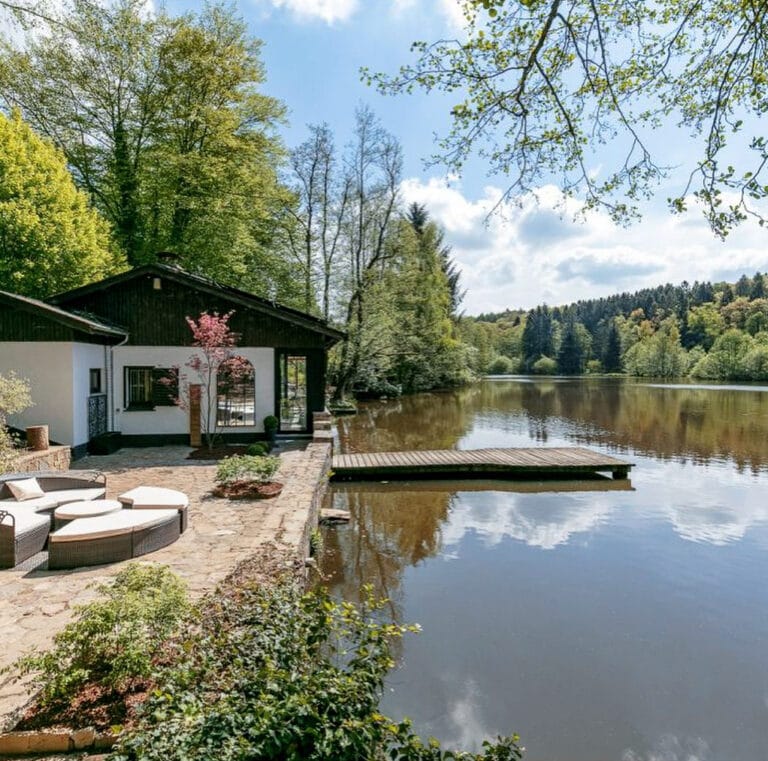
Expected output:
(600, 620)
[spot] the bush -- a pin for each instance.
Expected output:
(272, 673)
(545, 366)
(257, 450)
(259, 469)
(594, 367)
(271, 424)
(502, 365)
(112, 641)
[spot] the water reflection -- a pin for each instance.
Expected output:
(684, 423)
(601, 620)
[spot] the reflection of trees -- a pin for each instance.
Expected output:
(669, 423)
(421, 421)
(389, 530)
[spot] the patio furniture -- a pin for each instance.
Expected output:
(26, 523)
(157, 498)
(22, 535)
(59, 488)
(86, 509)
(120, 535)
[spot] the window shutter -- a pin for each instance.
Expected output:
(164, 392)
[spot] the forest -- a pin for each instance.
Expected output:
(709, 331)
(124, 134)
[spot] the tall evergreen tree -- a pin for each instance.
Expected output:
(758, 286)
(570, 357)
(612, 356)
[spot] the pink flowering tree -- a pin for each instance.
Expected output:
(215, 366)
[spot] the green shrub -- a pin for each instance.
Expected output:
(114, 640)
(271, 423)
(257, 450)
(545, 366)
(272, 673)
(260, 469)
(501, 365)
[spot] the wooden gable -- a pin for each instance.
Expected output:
(153, 302)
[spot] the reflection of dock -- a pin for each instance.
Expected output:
(529, 486)
(539, 462)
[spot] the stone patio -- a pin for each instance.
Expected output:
(222, 533)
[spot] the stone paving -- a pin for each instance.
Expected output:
(34, 605)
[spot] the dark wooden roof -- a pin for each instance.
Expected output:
(204, 285)
(50, 323)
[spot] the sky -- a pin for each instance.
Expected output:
(529, 252)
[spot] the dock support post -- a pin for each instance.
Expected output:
(620, 473)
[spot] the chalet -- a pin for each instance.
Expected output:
(99, 359)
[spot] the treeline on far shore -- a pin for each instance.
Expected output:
(709, 331)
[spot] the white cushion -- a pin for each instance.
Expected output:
(112, 524)
(40, 504)
(25, 488)
(65, 496)
(24, 520)
(154, 497)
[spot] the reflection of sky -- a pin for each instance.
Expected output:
(725, 506)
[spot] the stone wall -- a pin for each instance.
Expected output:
(53, 458)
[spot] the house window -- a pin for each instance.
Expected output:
(150, 387)
(236, 397)
(94, 375)
(138, 388)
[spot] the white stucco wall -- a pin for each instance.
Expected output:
(48, 366)
(85, 357)
(172, 419)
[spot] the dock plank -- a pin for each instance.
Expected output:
(517, 461)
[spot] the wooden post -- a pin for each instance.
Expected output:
(195, 439)
(37, 438)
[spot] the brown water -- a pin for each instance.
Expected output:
(601, 621)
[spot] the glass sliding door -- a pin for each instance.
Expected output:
(293, 393)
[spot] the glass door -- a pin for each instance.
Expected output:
(293, 393)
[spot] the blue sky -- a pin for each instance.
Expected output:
(529, 253)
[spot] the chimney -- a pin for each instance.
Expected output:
(168, 257)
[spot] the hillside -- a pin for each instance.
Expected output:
(711, 331)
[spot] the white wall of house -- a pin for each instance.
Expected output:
(85, 358)
(164, 420)
(48, 366)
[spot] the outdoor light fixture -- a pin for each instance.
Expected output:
(157, 284)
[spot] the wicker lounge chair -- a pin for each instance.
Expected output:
(157, 498)
(22, 535)
(25, 524)
(121, 535)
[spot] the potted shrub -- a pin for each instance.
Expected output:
(271, 424)
(247, 477)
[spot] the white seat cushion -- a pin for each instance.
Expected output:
(39, 504)
(24, 489)
(113, 524)
(65, 496)
(24, 519)
(154, 497)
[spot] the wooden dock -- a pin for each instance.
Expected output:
(539, 462)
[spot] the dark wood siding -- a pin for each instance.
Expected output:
(158, 317)
(21, 325)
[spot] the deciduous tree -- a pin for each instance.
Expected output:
(50, 238)
(540, 87)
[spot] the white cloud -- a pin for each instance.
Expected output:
(533, 251)
(452, 11)
(329, 11)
